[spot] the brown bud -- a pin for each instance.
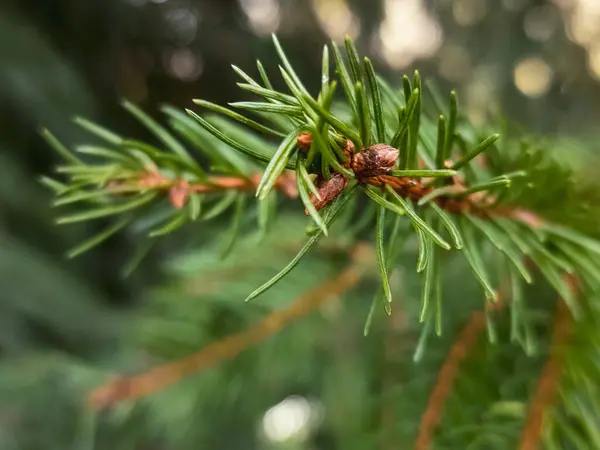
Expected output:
(328, 190)
(304, 141)
(349, 153)
(179, 194)
(350, 146)
(375, 160)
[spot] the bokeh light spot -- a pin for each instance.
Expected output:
(290, 419)
(594, 61)
(264, 16)
(336, 19)
(408, 32)
(469, 12)
(183, 64)
(183, 25)
(533, 77)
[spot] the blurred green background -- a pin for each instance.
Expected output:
(66, 324)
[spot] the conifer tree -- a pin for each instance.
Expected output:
(404, 198)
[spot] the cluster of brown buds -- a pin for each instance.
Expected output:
(367, 164)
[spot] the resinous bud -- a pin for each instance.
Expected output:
(375, 160)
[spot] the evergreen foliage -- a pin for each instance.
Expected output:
(397, 167)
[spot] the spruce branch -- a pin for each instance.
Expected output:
(384, 142)
(132, 388)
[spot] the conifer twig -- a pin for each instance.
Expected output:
(132, 388)
(408, 187)
(179, 189)
(549, 379)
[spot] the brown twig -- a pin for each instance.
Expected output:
(146, 383)
(370, 167)
(549, 379)
(448, 373)
(179, 190)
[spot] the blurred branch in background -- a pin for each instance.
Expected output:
(549, 382)
(123, 389)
